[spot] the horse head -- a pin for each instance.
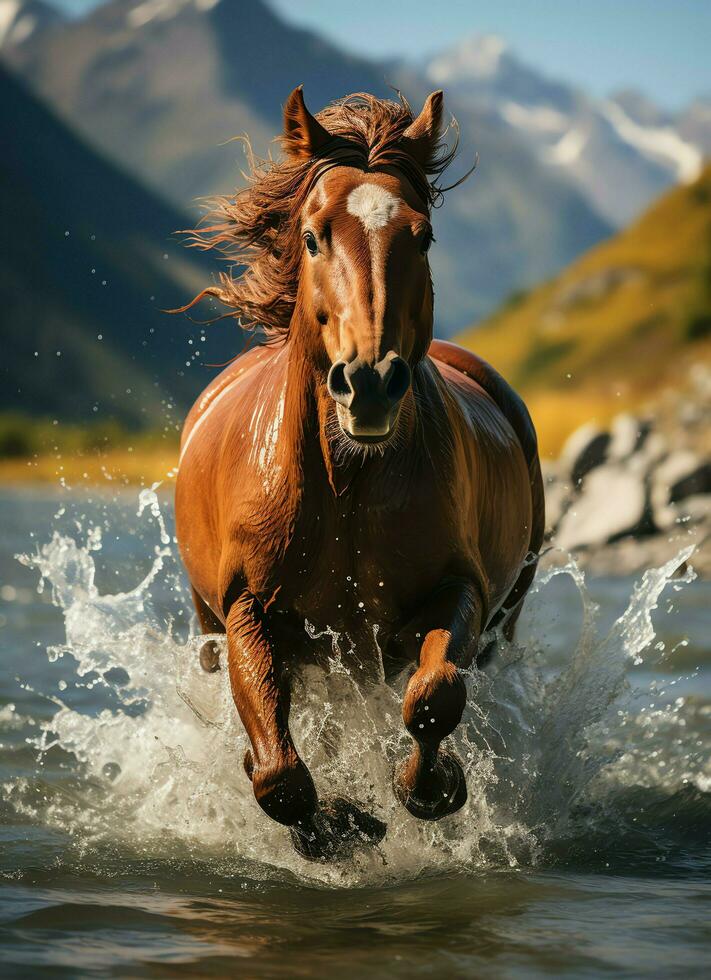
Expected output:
(365, 291)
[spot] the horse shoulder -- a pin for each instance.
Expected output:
(486, 378)
(221, 483)
(219, 388)
(508, 401)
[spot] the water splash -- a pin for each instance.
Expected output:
(157, 767)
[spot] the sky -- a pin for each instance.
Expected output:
(660, 47)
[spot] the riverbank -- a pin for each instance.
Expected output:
(126, 466)
(622, 497)
(50, 451)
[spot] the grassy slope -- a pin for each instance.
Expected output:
(617, 326)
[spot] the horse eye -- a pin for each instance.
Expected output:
(311, 243)
(426, 242)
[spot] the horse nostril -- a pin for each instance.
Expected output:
(398, 380)
(338, 384)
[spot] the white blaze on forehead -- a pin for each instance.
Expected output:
(372, 205)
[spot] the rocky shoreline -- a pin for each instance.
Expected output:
(632, 495)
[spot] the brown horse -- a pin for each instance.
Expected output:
(351, 471)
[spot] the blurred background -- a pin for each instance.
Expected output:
(577, 258)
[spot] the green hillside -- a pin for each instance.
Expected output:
(618, 326)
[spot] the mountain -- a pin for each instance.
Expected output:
(22, 19)
(88, 264)
(161, 86)
(623, 324)
(620, 152)
(694, 124)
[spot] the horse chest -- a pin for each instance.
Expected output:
(364, 559)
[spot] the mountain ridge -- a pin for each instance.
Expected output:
(621, 152)
(118, 76)
(92, 261)
(20, 19)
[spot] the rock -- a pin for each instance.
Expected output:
(682, 475)
(700, 375)
(627, 435)
(691, 414)
(696, 482)
(686, 513)
(585, 449)
(612, 504)
(651, 453)
(635, 555)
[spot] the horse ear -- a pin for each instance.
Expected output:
(422, 135)
(304, 136)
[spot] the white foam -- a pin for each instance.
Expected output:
(167, 778)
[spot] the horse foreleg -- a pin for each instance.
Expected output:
(431, 783)
(282, 784)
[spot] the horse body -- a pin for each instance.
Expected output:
(354, 474)
(362, 546)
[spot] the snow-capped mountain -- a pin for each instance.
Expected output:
(20, 19)
(621, 151)
(160, 86)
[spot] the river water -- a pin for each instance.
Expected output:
(132, 846)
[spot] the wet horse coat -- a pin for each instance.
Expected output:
(356, 474)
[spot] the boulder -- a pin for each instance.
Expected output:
(686, 513)
(682, 475)
(584, 449)
(700, 375)
(649, 455)
(612, 504)
(627, 435)
(692, 483)
(691, 414)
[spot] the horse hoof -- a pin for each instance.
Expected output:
(450, 796)
(338, 828)
(210, 656)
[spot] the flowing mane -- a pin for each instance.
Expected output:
(258, 229)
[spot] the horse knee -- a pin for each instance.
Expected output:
(434, 702)
(284, 789)
(210, 656)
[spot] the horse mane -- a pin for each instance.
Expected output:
(258, 229)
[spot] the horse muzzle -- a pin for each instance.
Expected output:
(368, 396)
